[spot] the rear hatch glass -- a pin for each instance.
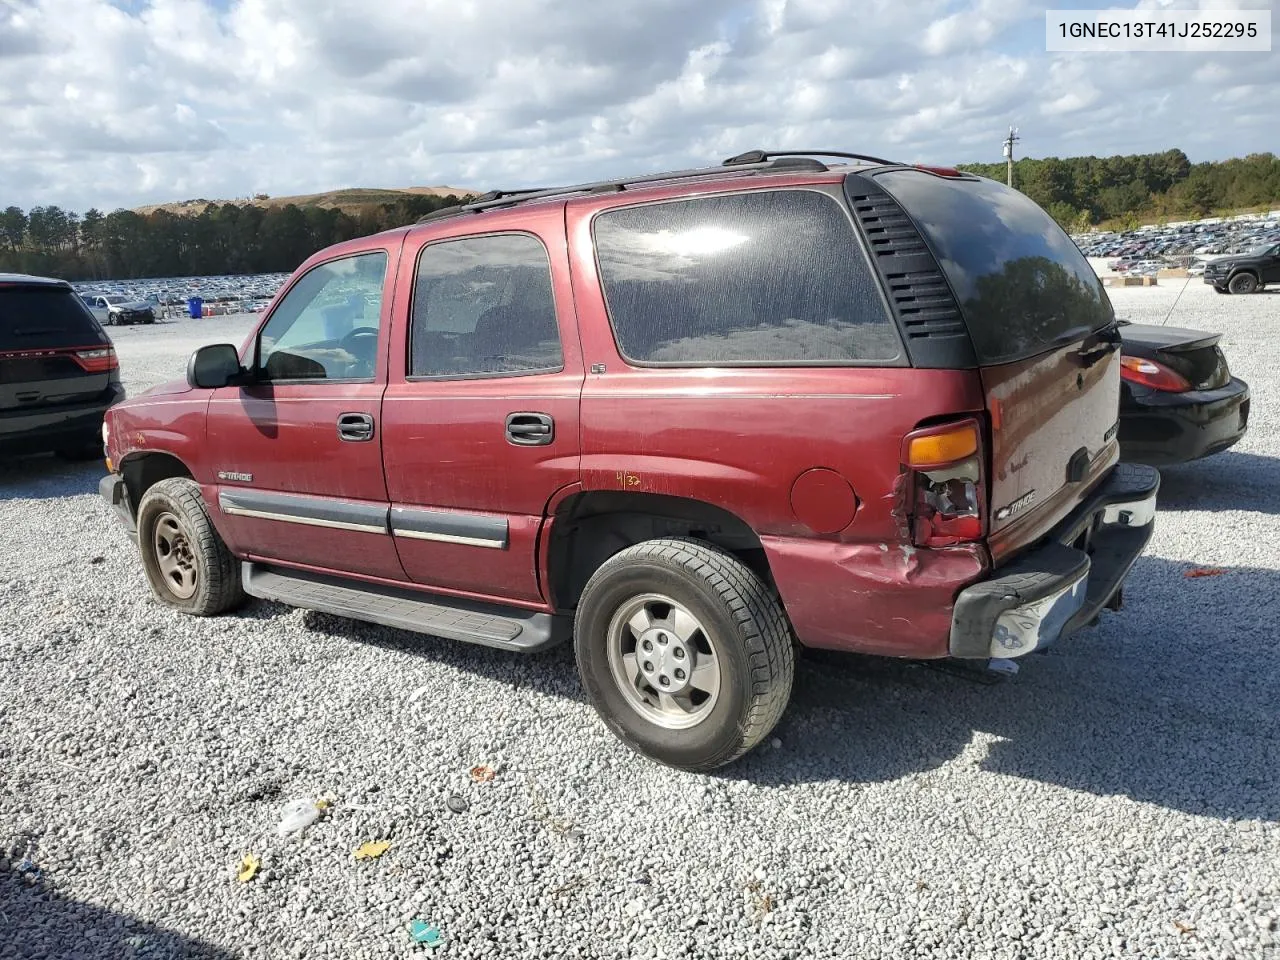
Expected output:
(1023, 284)
(1043, 332)
(41, 327)
(42, 317)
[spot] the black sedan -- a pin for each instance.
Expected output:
(1178, 400)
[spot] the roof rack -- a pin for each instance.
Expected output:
(759, 156)
(753, 160)
(506, 198)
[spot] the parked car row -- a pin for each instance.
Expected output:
(1196, 246)
(1138, 268)
(176, 291)
(1202, 238)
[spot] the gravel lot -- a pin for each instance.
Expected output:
(1118, 798)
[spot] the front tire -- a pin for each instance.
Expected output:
(187, 564)
(685, 653)
(1243, 283)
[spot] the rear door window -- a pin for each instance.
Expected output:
(751, 279)
(1022, 284)
(484, 307)
(42, 317)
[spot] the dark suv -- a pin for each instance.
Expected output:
(1246, 272)
(58, 370)
(691, 419)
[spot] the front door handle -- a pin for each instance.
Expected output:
(355, 427)
(530, 429)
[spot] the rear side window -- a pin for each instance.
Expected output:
(38, 317)
(1021, 282)
(751, 279)
(483, 306)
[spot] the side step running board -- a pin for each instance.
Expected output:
(492, 626)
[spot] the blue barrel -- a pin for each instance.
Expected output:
(194, 306)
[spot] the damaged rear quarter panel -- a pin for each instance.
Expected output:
(890, 599)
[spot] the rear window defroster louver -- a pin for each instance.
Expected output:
(922, 302)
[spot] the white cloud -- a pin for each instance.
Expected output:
(172, 99)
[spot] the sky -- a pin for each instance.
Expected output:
(117, 103)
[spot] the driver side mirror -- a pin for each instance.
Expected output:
(217, 365)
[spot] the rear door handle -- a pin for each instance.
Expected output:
(530, 429)
(355, 427)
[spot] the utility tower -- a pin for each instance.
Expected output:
(1009, 141)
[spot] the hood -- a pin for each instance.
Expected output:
(172, 388)
(132, 305)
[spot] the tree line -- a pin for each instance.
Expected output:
(228, 238)
(1080, 192)
(222, 239)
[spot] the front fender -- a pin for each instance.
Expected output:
(174, 426)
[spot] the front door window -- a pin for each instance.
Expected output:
(326, 328)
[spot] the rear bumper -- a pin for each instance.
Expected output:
(112, 489)
(40, 429)
(1162, 428)
(1054, 589)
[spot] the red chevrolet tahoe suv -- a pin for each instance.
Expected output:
(689, 419)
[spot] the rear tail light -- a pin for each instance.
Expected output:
(1148, 373)
(97, 361)
(944, 474)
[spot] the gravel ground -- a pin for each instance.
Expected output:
(1117, 798)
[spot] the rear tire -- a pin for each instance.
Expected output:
(188, 566)
(1219, 289)
(717, 675)
(1243, 283)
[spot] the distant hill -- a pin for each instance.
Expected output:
(349, 200)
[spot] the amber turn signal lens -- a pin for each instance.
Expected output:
(938, 448)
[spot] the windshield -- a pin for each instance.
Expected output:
(1264, 250)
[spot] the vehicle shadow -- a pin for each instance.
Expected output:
(48, 477)
(36, 921)
(1170, 701)
(1225, 481)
